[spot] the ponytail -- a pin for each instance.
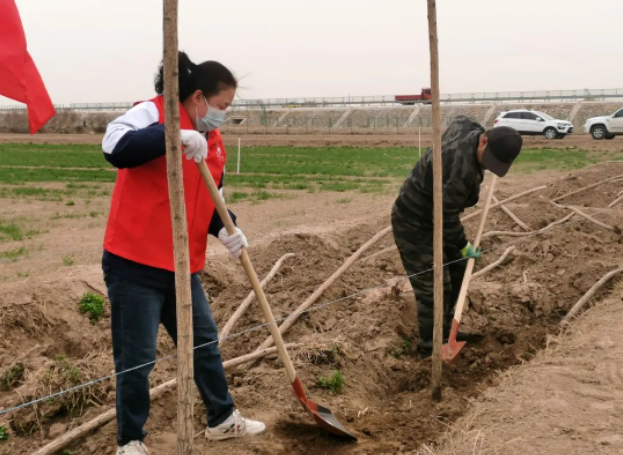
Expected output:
(210, 77)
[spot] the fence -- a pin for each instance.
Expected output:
(529, 96)
(75, 107)
(381, 124)
(477, 97)
(338, 120)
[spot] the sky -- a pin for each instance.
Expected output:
(109, 50)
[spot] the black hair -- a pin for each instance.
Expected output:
(210, 77)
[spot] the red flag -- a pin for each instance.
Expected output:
(19, 77)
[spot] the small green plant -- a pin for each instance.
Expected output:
(4, 434)
(344, 200)
(13, 254)
(68, 216)
(65, 373)
(403, 350)
(529, 354)
(94, 214)
(330, 356)
(334, 353)
(12, 377)
(263, 196)
(335, 383)
(70, 203)
(10, 231)
(92, 304)
(238, 196)
(32, 232)
(66, 370)
(68, 260)
(67, 452)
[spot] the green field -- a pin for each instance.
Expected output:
(26, 170)
(77, 181)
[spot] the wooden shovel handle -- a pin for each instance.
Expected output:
(458, 312)
(250, 271)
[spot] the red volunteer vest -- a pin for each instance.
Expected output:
(139, 224)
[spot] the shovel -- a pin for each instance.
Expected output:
(450, 351)
(323, 416)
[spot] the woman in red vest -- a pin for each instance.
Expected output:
(138, 248)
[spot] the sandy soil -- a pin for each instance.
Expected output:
(80, 238)
(386, 400)
(568, 400)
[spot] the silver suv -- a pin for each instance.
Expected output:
(605, 127)
(534, 123)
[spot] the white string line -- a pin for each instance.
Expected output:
(260, 326)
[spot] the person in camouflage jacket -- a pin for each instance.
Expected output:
(467, 150)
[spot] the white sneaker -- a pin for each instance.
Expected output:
(235, 427)
(133, 448)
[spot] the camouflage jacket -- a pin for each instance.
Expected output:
(462, 176)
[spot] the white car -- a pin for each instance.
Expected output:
(534, 123)
(605, 127)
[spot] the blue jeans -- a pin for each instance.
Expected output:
(137, 311)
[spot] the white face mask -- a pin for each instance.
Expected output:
(212, 120)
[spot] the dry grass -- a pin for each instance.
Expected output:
(463, 438)
(55, 376)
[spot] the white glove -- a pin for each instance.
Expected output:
(195, 145)
(234, 243)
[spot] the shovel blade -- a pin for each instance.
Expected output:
(325, 419)
(450, 351)
(321, 415)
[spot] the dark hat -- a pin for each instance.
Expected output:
(502, 148)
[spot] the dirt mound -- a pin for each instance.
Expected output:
(48, 345)
(567, 401)
(356, 352)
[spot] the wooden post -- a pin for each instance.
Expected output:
(185, 430)
(238, 166)
(438, 202)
